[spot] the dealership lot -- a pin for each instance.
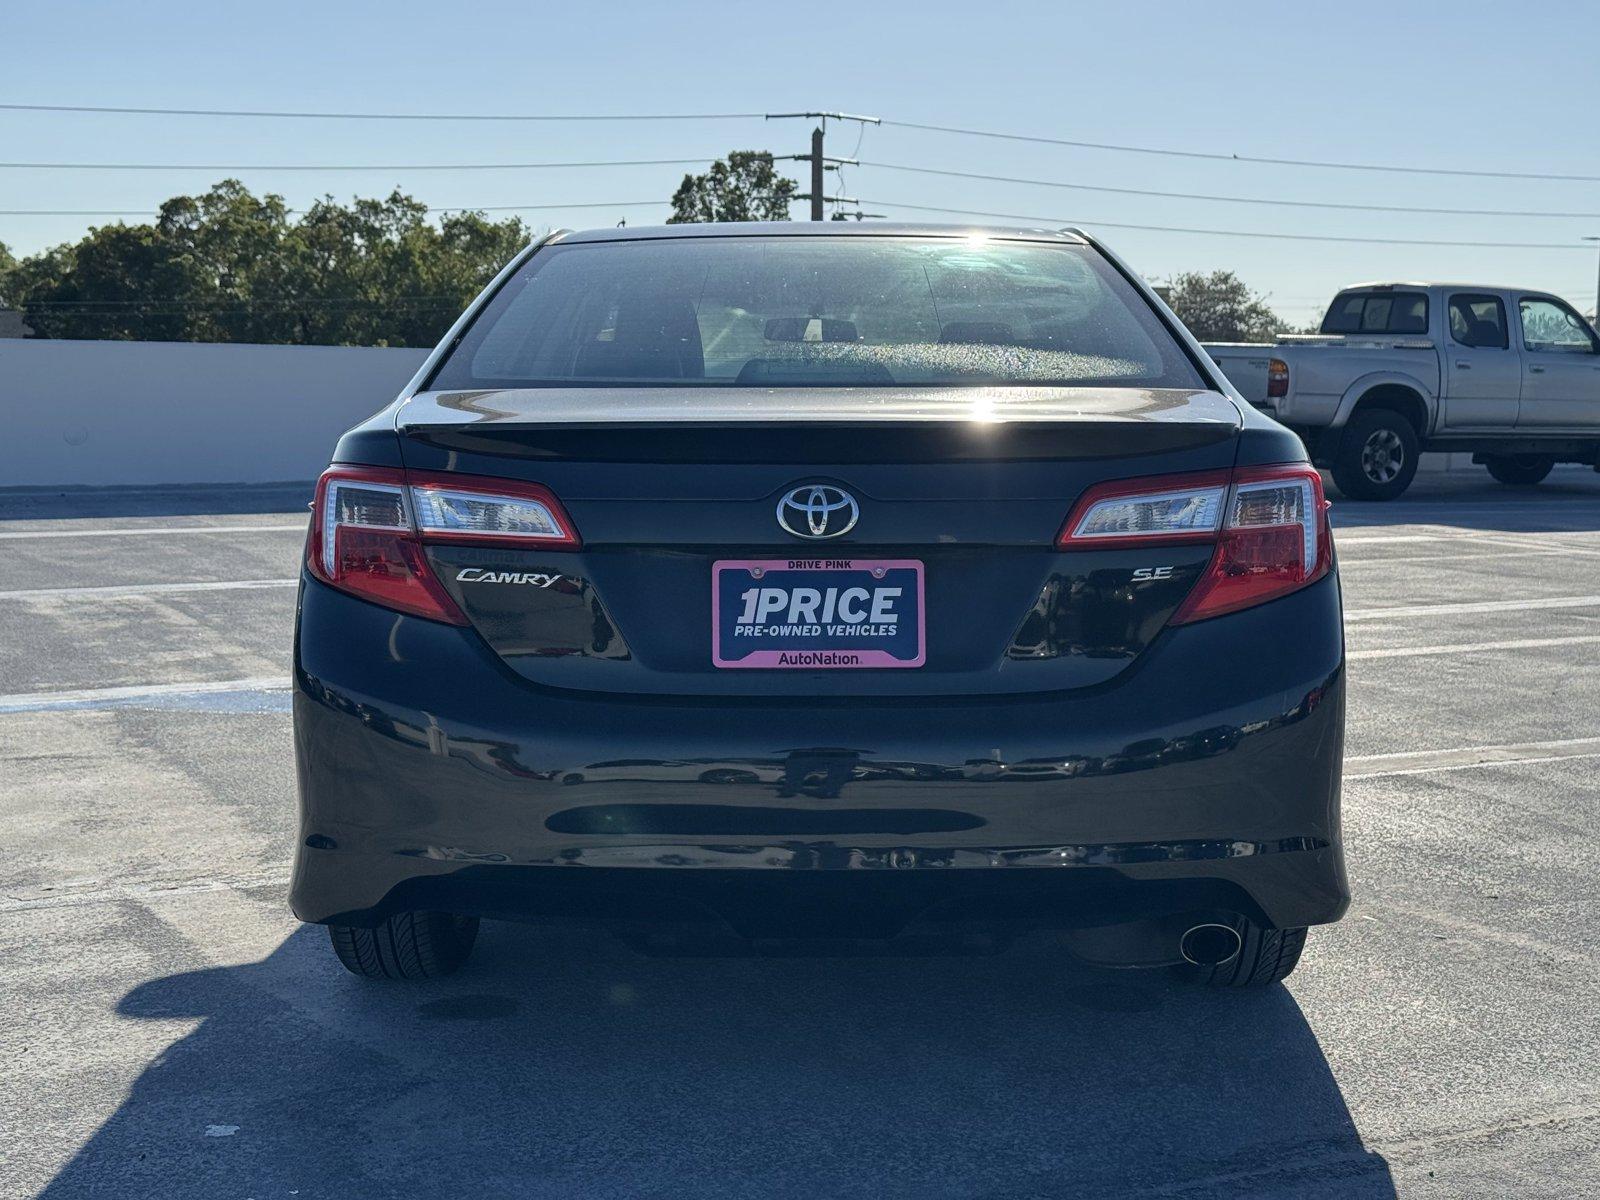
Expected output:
(168, 1027)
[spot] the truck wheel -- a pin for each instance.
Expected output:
(409, 945)
(1519, 469)
(1377, 456)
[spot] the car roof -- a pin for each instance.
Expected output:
(820, 229)
(1454, 287)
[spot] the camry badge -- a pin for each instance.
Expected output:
(818, 510)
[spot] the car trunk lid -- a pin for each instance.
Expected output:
(972, 485)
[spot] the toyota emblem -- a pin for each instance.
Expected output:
(818, 510)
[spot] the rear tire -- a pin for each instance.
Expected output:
(1265, 957)
(1519, 470)
(1377, 455)
(409, 945)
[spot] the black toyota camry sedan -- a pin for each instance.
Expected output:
(821, 581)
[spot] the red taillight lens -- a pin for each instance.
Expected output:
(369, 525)
(1269, 525)
(1277, 377)
(1274, 541)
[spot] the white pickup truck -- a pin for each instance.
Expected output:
(1511, 375)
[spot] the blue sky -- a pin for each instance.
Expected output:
(1465, 85)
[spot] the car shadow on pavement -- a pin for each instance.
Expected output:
(563, 1062)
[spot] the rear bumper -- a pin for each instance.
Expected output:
(1204, 780)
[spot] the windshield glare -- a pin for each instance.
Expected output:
(852, 311)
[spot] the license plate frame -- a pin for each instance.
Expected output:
(824, 650)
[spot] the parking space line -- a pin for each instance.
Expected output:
(36, 701)
(1423, 511)
(1473, 606)
(1422, 762)
(1524, 541)
(1428, 533)
(1401, 560)
(144, 589)
(1472, 537)
(1474, 647)
(147, 531)
(141, 892)
(1488, 933)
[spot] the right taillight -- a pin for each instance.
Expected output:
(1269, 527)
(1277, 377)
(369, 525)
(1274, 540)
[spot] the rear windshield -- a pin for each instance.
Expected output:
(818, 311)
(1377, 312)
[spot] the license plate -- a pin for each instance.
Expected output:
(817, 613)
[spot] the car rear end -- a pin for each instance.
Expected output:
(824, 583)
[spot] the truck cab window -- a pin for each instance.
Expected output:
(1478, 322)
(1409, 314)
(1548, 325)
(1377, 312)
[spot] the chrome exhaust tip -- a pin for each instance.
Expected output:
(1209, 945)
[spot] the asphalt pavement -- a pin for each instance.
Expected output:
(168, 1029)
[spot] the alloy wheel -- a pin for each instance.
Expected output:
(1382, 456)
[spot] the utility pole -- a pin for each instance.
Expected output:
(817, 167)
(819, 161)
(1596, 287)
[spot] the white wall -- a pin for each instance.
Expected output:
(108, 413)
(100, 414)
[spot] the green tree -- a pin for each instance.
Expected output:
(743, 187)
(8, 263)
(229, 266)
(1219, 307)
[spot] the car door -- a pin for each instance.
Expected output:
(1483, 376)
(1560, 367)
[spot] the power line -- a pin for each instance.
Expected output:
(370, 116)
(1086, 187)
(453, 208)
(1037, 139)
(1214, 156)
(1246, 233)
(525, 166)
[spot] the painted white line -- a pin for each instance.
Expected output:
(1456, 533)
(146, 531)
(1342, 540)
(29, 701)
(152, 890)
(1562, 549)
(1475, 647)
(144, 589)
(1477, 606)
(1401, 560)
(1429, 509)
(1422, 762)
(1469, 766)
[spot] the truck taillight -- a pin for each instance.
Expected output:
(1277, 377)
(369, 525)
(1269, 527)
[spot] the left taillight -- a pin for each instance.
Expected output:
(1269, 527)
(369, 525)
